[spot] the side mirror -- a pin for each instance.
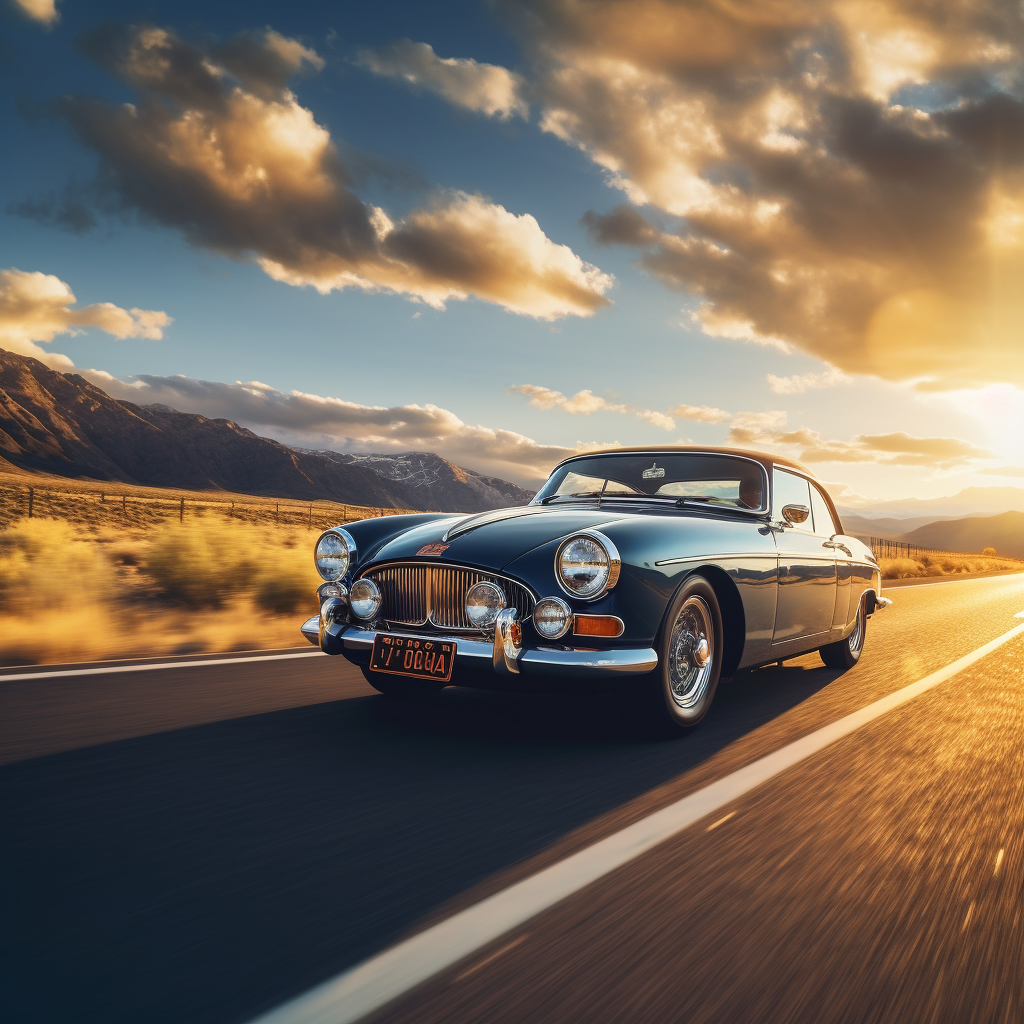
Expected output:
(794, 514)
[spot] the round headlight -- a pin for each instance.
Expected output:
(552, 617)
(333, 555)
(483, 602)
(587, 565)
(364, 598)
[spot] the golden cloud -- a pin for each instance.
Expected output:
(821, 208)
(485, 88)
(894, 449)
(36, 307)
(43, 11)
(585, 403)
(219, 147)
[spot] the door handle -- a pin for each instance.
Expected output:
(837, 546)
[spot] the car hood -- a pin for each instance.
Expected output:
(492, 539)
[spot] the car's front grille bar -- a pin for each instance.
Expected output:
(418, 595)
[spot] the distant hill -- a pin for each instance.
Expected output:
(60, 423)
(971, 501)
(888, 528)
(1004, 532)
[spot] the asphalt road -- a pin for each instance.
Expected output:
(215, 852)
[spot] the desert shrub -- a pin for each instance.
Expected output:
(207, 562)
(46, 563)
(900, 568)
(203, 563)
(989, 551)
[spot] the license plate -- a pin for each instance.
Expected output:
(413, 656)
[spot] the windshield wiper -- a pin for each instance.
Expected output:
(578, 494)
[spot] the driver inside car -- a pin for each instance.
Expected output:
(751, 492)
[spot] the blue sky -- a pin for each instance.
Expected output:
(407, 149)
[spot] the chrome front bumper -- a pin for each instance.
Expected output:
(504, 657)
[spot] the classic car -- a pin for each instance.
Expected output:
(656, 571)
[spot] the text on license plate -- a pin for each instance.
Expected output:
(413, 656)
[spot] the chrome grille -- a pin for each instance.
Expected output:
(417, 595)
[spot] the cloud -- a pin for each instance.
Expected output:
(1003, 470)
(801, 382)
(848, 175)
(585, 403)
(310, 419)
(894, 449)
(36, 307)
(218, 147)
(43, 11)
(700, 413)
(485, 88)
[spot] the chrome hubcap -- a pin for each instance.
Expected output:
(690, 653)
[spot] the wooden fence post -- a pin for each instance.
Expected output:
(31, 498)
(277, 513)
(124, 504)
(181, 510)
(311, 517)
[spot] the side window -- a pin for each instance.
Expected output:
(790, 490)
(824, 524)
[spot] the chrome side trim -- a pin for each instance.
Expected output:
(773, 555)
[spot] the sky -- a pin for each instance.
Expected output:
(506, 231)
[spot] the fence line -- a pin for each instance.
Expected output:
(32, 502)
(882, 548)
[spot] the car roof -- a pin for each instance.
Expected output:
(766, 460)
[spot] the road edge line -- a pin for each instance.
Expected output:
(371, 985)
(153, 668)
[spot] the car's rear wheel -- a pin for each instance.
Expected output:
(844, 654)
(403, 689)
(677, 694)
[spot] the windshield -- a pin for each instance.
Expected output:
(718, 480)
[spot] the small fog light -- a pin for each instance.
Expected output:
(364, 598)
(552, 617)
(483, 602)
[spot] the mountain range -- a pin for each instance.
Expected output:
(971, 501)
(61, 423)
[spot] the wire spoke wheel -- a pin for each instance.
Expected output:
(691, 653)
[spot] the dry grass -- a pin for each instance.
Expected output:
(73, 593)
(942, 565)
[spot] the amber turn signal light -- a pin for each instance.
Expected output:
(597, 625)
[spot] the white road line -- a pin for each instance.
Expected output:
(67, 674)
(938, 583)
(372, 984)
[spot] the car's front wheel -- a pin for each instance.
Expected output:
(678, 693)
(404, 689)
(844, 654)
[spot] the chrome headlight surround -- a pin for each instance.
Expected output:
(483, 602)
(573, 550)
(334, 554)
(364, 598)
(552, 618)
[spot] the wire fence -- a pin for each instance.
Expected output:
(120, 507)
(882, 548)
